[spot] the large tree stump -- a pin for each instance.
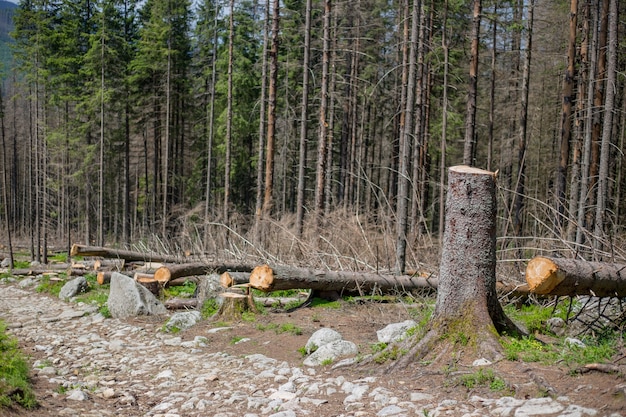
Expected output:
(562, 276)
(467, 316)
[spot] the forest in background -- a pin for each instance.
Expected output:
(312, 126)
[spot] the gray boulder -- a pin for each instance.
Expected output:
(330, 352)
(182, 320)
(128, 298)
(395, 331)
(73, 287)
(5, 263)
(320, 338)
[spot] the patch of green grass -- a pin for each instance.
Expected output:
(392, 352)
(527, 349)
(248, 316)
(327, 361)
(21, 264)
(290, 328)
(58, 257)
(236, 339)
(49, 286)
(209, 308)
(185, 290)
(283, 328)
(302, 351)
(321, 303)
(533, 317)
(378, 347)
(483, 378)
(15, 386)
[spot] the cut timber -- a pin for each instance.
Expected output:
(173, 271)
(562, 276)
(234, 305)
(127, 255)
(266, 278)
(104, 277)
(150, 283)
(108, 264)
(228, 279)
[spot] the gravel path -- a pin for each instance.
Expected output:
(92, 366)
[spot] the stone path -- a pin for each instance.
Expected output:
(108, 367)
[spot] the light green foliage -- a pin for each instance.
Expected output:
(209, 308)
(327, 361)
(185, 290)
(15, 386)
(50, 287)
(534, 316)
(320, 302)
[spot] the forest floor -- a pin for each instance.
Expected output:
(282, 335)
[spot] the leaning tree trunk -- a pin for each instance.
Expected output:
(467, 314)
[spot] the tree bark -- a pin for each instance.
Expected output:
(277, 278)
(467, 313)
(562, 276)
(229, 278)
(127, 255)
(234, 305)
(169, 272)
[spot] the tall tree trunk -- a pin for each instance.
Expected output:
(229, 116)
(405, 146)
(101, 145)
(579, 125)
(566, 120)
(609, 106)
(271, 114)
(211, 124)
(521, 163)
(322, 149)
(5, 190)
(444, 121)
(262, 129)
(585, 181)
(598, 102)
(166, 145)
(469, 149)
(492, 84)
(302, 159)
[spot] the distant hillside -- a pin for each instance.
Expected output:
(7, 10)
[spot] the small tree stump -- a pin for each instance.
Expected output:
(234, 305)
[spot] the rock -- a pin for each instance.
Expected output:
(128, 298)
(556, 325)
(5, 263)
(395, 331)
(330, 352)
(481, 362)
(73, 287)
(78, 395)
(321, 338)
(182, 320)
(208, 287)
(571, 341)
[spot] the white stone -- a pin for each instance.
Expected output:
(395, 331)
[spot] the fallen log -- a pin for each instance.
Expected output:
(168, 272)
(562, 276)
(228, 278)
(104, 277)
(267, 279)
(127, 255)
(181, 303)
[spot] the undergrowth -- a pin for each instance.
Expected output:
(15, 388)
